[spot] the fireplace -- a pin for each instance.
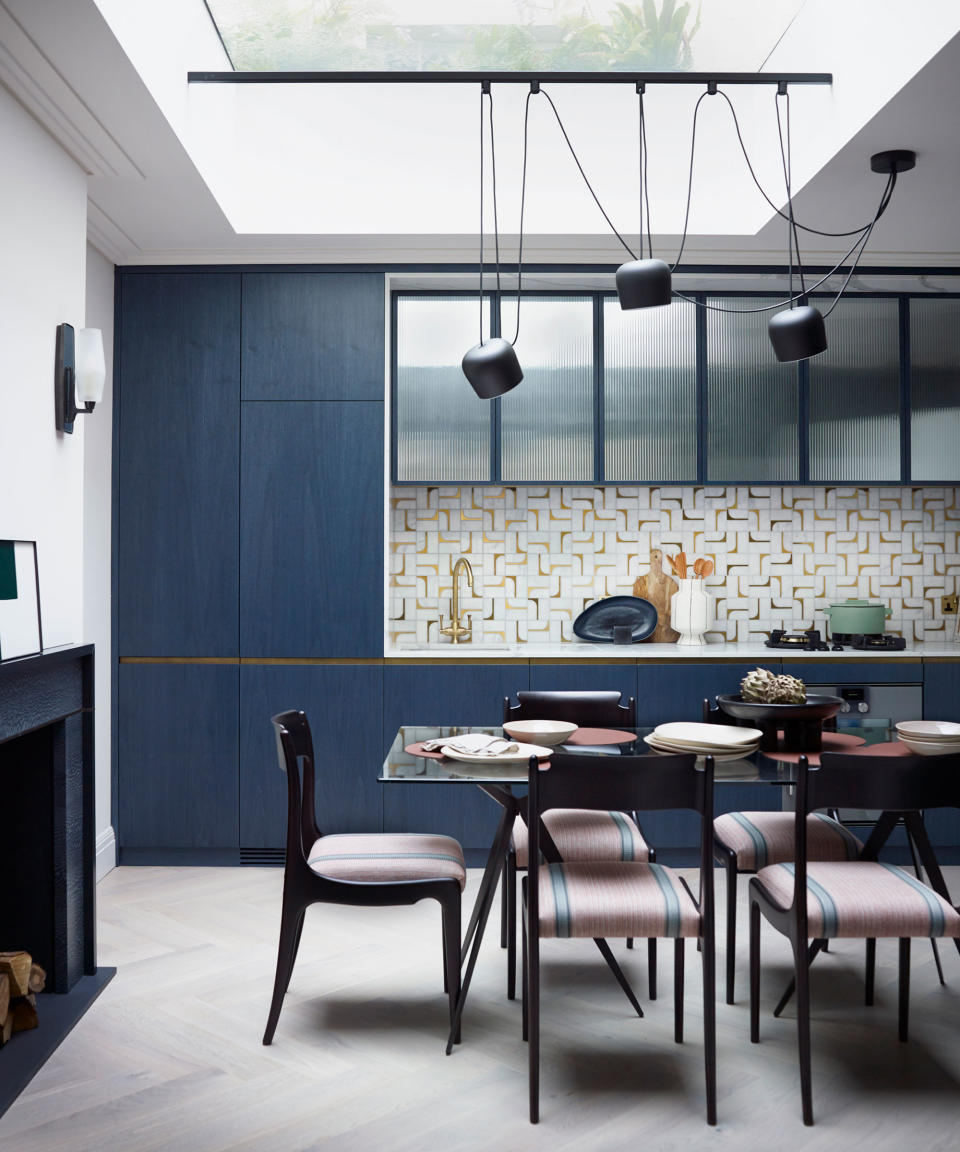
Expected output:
(47, 898)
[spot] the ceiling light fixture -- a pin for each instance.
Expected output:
(492, 366)
(644, 283)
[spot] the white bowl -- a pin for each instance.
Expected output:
(549, 732)
(942, 730)
(929, 748)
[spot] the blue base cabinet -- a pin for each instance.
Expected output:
(584, 678)
(941, 701)
(177, 784)
(469, 694)
(343, 703)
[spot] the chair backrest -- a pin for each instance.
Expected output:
(623, 783)
(588, 709)
(888, 783)
(295, 749)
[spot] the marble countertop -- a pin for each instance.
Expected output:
(611, 653)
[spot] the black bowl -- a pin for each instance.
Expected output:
(801, 724)
(815, 708)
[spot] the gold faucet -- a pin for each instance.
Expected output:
(455, 630)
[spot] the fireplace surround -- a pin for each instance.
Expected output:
(47, 899)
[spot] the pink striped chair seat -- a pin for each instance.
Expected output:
(586, 834)
(762, 838)
(378, 857)
(863, 899)
(613, 898)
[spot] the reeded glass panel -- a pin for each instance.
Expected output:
(547, 421)
(752, 399)
(650, 393)
(855, 394)
(443, 428)
(935, 390)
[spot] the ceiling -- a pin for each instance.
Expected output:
(156, 197)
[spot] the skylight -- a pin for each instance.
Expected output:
(504, 35)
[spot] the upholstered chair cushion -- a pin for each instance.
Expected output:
(863, 899)
(762, 838)
(380, 857)
(613, 898)
(586, 834)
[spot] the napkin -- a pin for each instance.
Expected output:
(473, 743)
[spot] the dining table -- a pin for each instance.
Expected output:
(408, 762)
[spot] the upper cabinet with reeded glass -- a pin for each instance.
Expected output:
(935, 389)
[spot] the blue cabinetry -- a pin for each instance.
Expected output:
(343, 703)
(177, 782)
(178, 464)
(313, 336)
(311, 531)
(441, 694)
(941, 701)
(585, 678)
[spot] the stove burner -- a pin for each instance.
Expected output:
(807, 641)
(871, 640)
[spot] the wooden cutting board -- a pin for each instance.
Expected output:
(658, 587)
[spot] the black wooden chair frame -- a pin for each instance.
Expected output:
(589, 710)
(303, 887)
(891, 784)
(627, 783)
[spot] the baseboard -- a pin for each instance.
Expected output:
(105, 849)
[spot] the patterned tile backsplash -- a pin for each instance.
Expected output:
(541, 554)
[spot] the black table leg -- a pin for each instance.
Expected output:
(917, 830)
(918, 868)
(488, 886)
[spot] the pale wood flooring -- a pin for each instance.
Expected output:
(170, 1056)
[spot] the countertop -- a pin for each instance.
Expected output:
(661, 653)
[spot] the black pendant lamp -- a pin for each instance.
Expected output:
(797, 333)
(492, 366)
(644, 283)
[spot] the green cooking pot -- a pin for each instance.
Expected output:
(857, 617)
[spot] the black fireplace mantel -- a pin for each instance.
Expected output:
(48, 899)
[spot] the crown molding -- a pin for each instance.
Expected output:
(106, 235)
(48, 96)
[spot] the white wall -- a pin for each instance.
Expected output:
(97, 472)
(43, 473)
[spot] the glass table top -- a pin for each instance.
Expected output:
(759, 768)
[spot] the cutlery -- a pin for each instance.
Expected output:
(698, 567)
(707, 570)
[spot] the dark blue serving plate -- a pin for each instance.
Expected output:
(597, 622)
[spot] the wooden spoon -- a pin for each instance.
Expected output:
(707, 569)
(682, 565)
(698, 567)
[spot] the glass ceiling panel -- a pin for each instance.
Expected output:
(502, 35)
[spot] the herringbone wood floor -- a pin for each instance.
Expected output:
(170, 1056)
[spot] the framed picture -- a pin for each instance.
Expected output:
(21, 633)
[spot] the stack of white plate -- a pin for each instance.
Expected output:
(930, 737)
(721, 741)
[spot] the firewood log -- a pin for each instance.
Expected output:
(38, 978)
(17, 967)
(24, 1013)
(4, 995)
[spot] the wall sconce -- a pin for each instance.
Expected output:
(79, 375)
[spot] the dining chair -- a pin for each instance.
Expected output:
(603, 898)
(578, 835)
(807, 899)
(745, 842)
(365, 869)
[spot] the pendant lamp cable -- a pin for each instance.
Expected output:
(862, 233)
(523, 204)
(644, 181)
(786, 160)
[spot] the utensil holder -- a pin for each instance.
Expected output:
(691, 611)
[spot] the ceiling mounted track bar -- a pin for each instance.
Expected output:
(701, 79)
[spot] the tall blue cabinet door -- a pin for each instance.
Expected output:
(343, 703)
(311, 529)
(179, 414)
(313, 336)
(584, 678)
(177, 784)
(445, 694)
